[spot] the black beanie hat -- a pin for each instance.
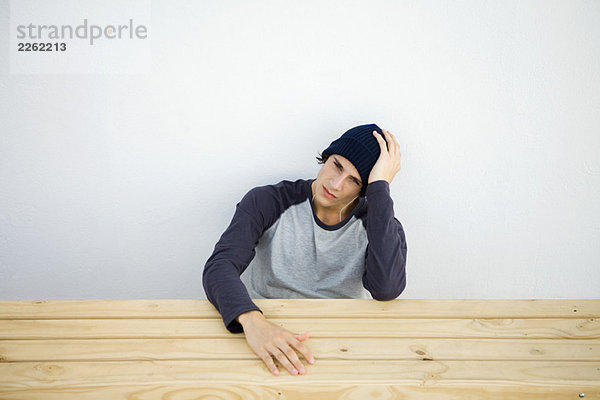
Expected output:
(360, 147)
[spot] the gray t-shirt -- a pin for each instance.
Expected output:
(298, 258)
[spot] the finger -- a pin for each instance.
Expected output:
(303, 336)
(381, 141)
(266, 357)
(393, 145)
(304, 351)
(293, 357)
(283, 360)
(396, 146)
(391, 141)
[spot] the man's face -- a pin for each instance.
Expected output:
(337, 183)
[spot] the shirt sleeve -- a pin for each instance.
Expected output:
(231, 256)
(385, 273)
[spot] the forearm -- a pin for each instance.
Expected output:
(227, 293)
(231, 256)
(385, 275)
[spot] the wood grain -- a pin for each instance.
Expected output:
(365, 349)
(550, 328)
(415, 372)
(195, 391)
(322, 348)
(305, 308)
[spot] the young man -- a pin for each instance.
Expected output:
(330, 237)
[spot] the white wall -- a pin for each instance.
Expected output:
(118, 186)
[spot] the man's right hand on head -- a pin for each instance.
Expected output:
(268, 340)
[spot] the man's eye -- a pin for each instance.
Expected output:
(357, 182)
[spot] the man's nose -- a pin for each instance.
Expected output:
(336, 182)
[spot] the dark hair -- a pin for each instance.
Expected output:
(321, 159)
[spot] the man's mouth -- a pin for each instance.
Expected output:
(328, 193)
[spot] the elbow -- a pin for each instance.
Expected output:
(389, 293)
(204, 281)
(384, 297)
(387, 296)
(208, 281)
(206, 287)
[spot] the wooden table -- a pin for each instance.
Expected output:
(364, 349)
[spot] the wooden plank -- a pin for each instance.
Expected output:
(338, 327)
(340, 349)
(306, 308)
(197, 390)
(365, 372)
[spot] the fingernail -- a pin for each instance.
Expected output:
(312, 360)
(301, 370)
(294, 372)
